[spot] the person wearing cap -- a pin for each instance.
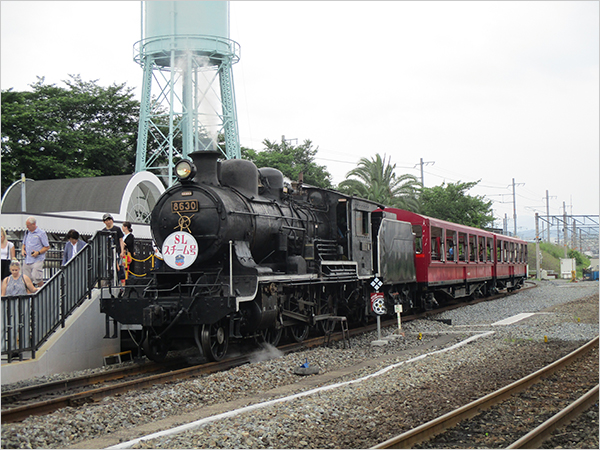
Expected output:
(120, 245)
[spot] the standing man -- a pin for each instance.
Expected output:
(72, 247)
(119, 244)
(35, 246)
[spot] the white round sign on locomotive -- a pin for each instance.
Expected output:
(180, 250)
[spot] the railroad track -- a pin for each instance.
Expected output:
(90, 395)
(49, 397)
(533, 439)
(24, 394)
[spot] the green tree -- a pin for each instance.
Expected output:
(451, 202)
(79, 130)
(291, 160)
(376, 180)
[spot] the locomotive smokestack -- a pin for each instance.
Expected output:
(206, 163)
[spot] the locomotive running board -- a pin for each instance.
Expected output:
(289, 278)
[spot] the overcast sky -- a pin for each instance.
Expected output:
(486, 91)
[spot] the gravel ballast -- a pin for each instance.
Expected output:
(356, 415)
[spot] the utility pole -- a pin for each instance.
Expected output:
(537, 247)
(515, 202)
(565, 226)
(289, 141)
(23, 194)
(548, 212)
(422, 164)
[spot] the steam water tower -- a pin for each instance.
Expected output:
(188, 101)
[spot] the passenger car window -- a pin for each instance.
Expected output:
(436, 243)
(418, 232)
(462, 246)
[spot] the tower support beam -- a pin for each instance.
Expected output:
(188, 101)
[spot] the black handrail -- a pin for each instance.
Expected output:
(29, 320)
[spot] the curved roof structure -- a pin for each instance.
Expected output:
(82, 201)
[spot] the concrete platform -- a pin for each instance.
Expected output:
(78, 346)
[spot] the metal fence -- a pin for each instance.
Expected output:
(53, 260)
(29, 320)
(145, 261)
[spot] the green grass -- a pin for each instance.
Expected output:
(551, 255)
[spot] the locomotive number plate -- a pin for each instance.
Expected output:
(184, 206)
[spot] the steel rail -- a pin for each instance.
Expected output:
(29, 392)
(436, 426)
(535, 437)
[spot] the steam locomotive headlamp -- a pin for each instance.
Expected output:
(185, 170)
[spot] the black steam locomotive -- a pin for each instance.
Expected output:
(249, 257)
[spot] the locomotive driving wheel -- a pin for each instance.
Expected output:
(326, 307)
(299, 332)
(155, 348)
(271, 335)
(214, 339)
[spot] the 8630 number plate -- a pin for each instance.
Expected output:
(180, 206)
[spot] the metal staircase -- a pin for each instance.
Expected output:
(29, 320)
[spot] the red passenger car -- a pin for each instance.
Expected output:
(461, 261)
(510, 270)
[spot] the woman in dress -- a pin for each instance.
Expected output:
(8, 254)
(129, 241)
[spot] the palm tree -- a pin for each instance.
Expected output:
(378, 182)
